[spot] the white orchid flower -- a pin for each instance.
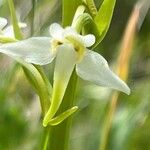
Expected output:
(7, 31)
(71, 50)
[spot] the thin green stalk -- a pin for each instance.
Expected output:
(16, 28)
(45, 138)
(59, 135)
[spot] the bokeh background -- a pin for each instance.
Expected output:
(20, 120)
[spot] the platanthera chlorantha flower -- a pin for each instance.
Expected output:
(6, 32)
(70, 50)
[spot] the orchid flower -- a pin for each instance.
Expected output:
(70, 50)
(7, 33)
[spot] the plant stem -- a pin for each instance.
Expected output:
(45, 138)
(59, 135)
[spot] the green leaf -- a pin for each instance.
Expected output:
(69, 9)
(103, 18)
(57, 120)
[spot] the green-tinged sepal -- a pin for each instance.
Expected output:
(81, 21)
(58, 119)
(80, 10)
(65, 63)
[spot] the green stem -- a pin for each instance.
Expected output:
(45, 138)
(59, 135)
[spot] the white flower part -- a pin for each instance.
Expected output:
(95, 68)
(56, 32)
(87, 40)
(3, 23)
(61, 35)
(34, 50)
(8, 31)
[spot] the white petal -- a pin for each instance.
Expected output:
(88, 40)
(56, 31)
(34, 50)
(95, 68)
(65, 62)
(3, 23)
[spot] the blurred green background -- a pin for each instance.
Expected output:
(20, 121)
